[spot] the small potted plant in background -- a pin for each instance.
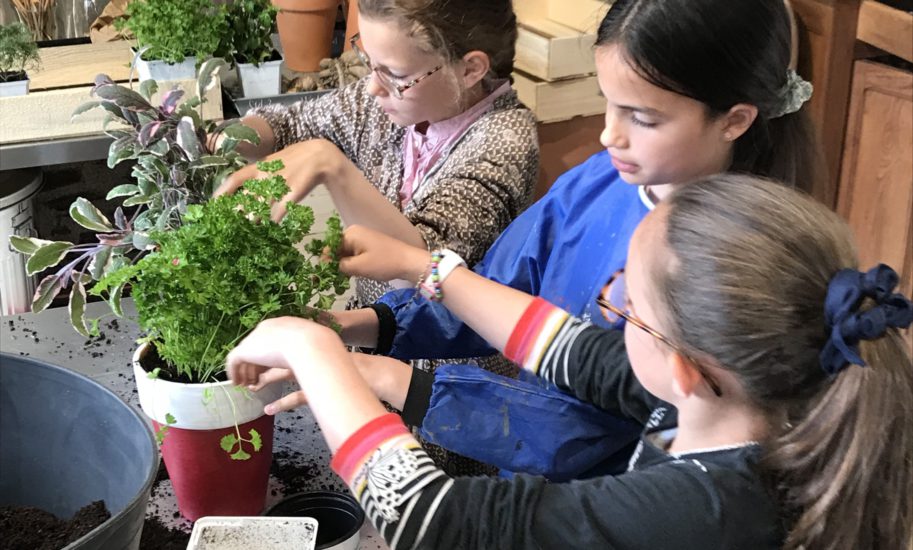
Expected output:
(18, 53)
(202, 274)
(248, 39)
(173, 36)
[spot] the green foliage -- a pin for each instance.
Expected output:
(250, 24)
(175, 167)
(228, 267)
(175, 29)
(229, 442)
(18, 51)
(163, 428)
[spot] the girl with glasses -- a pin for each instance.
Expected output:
(805, 443)
(692, 88)
(432, 147)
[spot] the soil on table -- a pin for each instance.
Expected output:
(156, 535)
(27, 528)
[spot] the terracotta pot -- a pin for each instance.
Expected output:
(206, 480)
(351, 24)
(306, 31)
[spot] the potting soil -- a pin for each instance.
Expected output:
(27, 528)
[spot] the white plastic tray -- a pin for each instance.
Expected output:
(253, 533)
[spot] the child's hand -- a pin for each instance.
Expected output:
(307, 165)
(268, 347)
(368, 253)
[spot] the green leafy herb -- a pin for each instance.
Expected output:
(18, 52)
(228, 267)
(248, 37)
(163, 428)
(175, 29)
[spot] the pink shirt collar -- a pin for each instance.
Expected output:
(422, 151)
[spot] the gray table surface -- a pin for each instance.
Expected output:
(47, 336)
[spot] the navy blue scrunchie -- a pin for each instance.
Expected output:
(847, 325)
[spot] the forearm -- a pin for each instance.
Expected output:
(359, 327)
(267, 139)
(359, 202)
(340, 399)
(388, 378)
(490, 308)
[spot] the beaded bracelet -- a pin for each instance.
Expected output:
(430, 286)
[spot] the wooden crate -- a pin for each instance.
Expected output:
(560, 100)
(551, 51)
(548, 49)
(71, 66)
(581, 15)
(63, 83)
(47, 115)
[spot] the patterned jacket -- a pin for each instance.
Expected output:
(467, 198)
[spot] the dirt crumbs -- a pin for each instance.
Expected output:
(24, 527)
(157, 536)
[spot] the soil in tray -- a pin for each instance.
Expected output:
(27, 528)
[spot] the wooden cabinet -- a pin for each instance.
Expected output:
(876, 179)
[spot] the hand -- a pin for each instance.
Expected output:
(307, 165)
(268, 347)
(368, 253)
(285, 403)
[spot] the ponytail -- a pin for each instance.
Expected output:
(840, 451)
(845, 471)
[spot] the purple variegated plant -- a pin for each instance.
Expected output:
(175, 167)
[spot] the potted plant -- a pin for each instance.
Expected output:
(18, 53)
(173, 36)
(249, 41)
(306, 31)
(201, 276)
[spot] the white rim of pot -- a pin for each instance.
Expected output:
(208, 406)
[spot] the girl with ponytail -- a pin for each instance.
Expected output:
(773, 389)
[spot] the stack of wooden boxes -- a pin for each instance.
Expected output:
(555, 71)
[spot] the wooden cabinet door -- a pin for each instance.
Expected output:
(876, 180)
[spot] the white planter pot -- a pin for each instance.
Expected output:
(161, 71)
(208, 406)
(245, 532)
(14, 88)
(262, 81)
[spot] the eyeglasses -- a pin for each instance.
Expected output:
(613, 293)
(393, 85)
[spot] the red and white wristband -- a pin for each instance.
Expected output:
(443, 262)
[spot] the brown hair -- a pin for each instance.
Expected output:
(722, 53)
(453, 29)
(747, 287)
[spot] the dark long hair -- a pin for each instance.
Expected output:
(721, 53)
(747, 287)
(453, 29)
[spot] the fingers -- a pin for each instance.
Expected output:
(236, 179)
(279, 209)
(242, 373)
(270, 376)
(286, 403)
